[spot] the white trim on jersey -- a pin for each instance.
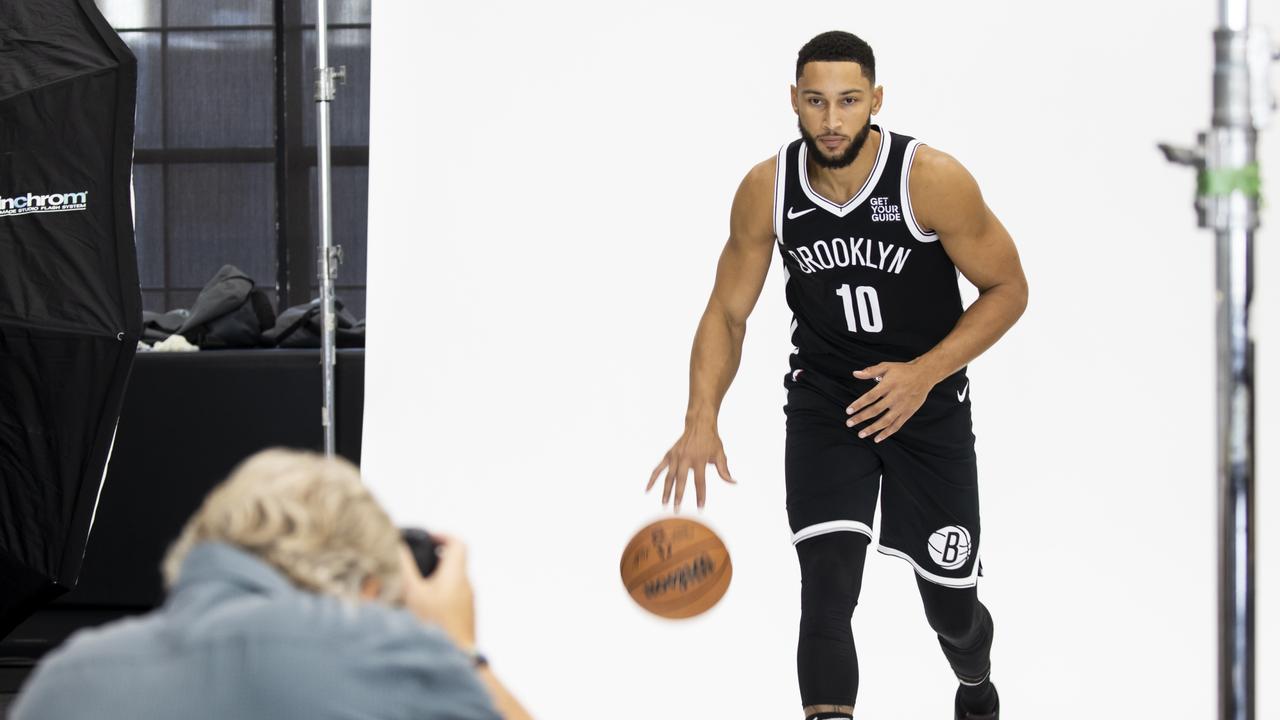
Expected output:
(886, 139)
(830, 526)
(907, 214)
(779, 193)
(970, 581)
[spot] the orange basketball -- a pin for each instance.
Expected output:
(676, 568)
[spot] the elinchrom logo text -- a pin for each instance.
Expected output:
(32, 203)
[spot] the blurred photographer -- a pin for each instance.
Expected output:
(291, 594)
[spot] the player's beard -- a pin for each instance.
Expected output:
(845, 158)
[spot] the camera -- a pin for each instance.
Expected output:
(424, 548)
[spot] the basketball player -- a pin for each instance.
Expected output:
(871, 227)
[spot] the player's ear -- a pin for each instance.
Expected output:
(877, 98)
(795, 100)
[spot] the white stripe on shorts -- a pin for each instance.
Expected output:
(970, 581)
(829, 527)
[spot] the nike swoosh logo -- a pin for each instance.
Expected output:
(792, 214)
(962, 394)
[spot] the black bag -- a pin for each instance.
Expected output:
(299, 327)
(159, 326)
(229, 313)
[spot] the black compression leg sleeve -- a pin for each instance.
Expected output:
(831, 578)
(965, 631)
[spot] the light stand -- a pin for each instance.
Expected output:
(330, 255)
(1227, 199)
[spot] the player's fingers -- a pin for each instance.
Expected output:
(668, 483)
(682, 478)
(865, 399)
(722, 467)
(877, 370)
(700, 484)
(869, 411)
(885, 421)
(653, 477)
(889, 431)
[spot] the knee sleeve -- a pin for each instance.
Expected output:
(831, 579)
(954, 613)
(964, 627)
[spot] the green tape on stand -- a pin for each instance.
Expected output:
(1220, 182)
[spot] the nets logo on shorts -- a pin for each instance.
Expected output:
(949, 547)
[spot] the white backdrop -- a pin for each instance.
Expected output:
(549, 190)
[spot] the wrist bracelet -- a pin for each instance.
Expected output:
(478, 660)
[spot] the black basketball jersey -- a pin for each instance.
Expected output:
(864, 281)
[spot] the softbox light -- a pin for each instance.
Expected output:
(70, 308)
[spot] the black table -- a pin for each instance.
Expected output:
(187, 420)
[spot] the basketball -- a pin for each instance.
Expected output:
(676, 568)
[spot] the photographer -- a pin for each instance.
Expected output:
(291, 594)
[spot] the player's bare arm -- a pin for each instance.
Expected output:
(947, 199)
(717, 345)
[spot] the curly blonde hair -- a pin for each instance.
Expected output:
(308, 516)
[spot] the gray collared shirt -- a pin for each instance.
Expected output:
(236, 639)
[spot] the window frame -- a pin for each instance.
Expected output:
(293, 159)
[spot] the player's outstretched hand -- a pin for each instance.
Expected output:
(698, 447)
(900, 390)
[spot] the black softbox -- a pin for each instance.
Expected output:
(70, 311)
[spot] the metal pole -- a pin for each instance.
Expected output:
(1230, 187)
(1236, 530)
(330, 256)
(1227, 201)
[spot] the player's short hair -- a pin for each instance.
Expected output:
(838, 46)
(309, 517)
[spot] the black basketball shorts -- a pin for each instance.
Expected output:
(924, 476)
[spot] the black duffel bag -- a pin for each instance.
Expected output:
(229, 313)
(299, 327)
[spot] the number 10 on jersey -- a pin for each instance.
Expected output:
(866, 311)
